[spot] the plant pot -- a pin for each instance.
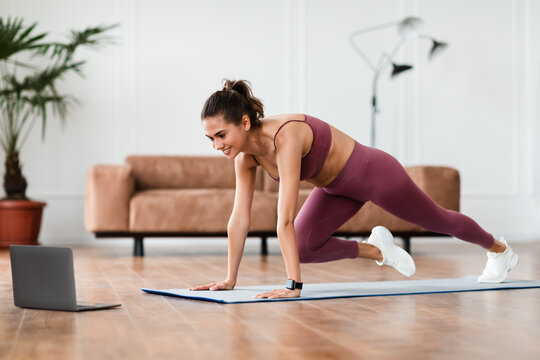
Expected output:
(20, 221)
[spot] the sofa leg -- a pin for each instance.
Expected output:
(264, 246)
(407, 243)
(138, 249)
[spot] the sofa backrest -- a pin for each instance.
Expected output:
(181, 172)
(192, 172)
(441, 183)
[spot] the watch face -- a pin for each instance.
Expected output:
(290, 284)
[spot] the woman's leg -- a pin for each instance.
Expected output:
(393, 190)
(321, 215)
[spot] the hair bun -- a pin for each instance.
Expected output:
(228, 84)
(242, 87)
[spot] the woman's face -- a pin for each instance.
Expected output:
(225, 137)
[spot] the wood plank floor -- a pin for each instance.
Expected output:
(475, 325)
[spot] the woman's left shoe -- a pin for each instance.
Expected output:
(498, 265)
(393, 255)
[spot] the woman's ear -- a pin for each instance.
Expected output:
(246, 123)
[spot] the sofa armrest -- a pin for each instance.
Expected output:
(441, 183)
(109, 189)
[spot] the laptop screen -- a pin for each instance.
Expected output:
(43, 277)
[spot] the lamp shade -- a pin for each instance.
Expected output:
(410, 27)
(436, 48)
(399, 68)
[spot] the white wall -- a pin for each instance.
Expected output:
(475, 107)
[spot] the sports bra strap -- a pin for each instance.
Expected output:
(285, 123)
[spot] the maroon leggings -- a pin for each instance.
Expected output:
(373, 175)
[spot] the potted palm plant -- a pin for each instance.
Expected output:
(30, 68)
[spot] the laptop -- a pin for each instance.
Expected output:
(43, 278)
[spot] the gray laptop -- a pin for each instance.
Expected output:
(43, 278)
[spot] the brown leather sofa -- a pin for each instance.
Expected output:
(192, 196)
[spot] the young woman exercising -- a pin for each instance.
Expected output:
(345, 173)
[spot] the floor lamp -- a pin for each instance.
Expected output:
(408, 29)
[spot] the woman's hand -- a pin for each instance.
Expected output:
(222, 285)
(279, 293)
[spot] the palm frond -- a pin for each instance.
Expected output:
(15, 37)
(33, 94)
(22, 64)
(91, 37)
(40, 81)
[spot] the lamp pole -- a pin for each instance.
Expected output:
(408, 29)
(374, 109)
(383, 62)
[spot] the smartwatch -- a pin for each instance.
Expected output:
(292, 285)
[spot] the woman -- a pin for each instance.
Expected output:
(346, 174)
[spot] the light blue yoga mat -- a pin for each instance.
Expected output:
(244, 294)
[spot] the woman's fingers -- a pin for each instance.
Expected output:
(202, 287)
(270, 294)
(278, 293)
(213, 286)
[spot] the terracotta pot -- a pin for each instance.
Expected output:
(20, 221)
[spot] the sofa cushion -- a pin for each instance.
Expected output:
(196, 210)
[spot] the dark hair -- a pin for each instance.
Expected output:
(234, 101)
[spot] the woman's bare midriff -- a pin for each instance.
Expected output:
(340, 150)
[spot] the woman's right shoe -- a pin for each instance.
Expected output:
(498, 265)
(392, 255)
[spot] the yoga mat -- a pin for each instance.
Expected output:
(244, 294)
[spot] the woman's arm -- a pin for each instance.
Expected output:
(289, 157)
(289, 147)
(239, 222)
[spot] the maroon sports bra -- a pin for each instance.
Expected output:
(313, 161)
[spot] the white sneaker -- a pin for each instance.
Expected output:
(498, 265)
(392, 255)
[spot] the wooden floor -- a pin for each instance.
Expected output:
(473, 325)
